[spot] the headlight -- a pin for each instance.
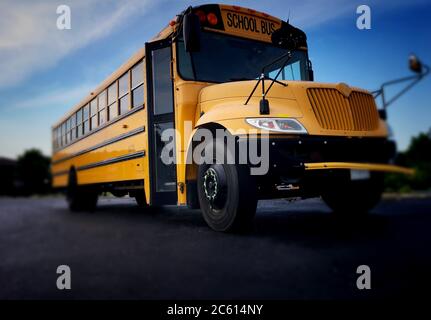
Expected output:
(286, 125)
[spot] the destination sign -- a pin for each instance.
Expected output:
(249, 25)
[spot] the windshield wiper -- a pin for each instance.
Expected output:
(264, 104)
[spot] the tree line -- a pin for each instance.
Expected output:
(27, 175)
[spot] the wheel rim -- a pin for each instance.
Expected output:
(214, 186)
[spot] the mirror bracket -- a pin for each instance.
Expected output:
(417, 66)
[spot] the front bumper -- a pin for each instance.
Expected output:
(307, 163)
(289, 151)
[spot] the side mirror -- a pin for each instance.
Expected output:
(310, 75)
(191, 32)
(415, 64)
(310, 71)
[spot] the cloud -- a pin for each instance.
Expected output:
(55, 98)
(30, 40)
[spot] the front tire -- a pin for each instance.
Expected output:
(227, 194)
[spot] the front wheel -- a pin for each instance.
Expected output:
(227, 195)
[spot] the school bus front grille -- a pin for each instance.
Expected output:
(334, 111)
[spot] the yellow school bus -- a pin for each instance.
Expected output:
(150, 130)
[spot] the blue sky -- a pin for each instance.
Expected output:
(45, 71)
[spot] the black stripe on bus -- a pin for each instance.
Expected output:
(60, 173)
(126, 157)
(102, 144)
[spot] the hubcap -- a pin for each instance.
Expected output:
(215, 186)
(211, 187)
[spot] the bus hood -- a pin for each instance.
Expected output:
(323, 108)
(229, 99)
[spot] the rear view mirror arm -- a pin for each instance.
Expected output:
(414, 80)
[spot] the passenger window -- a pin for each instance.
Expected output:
(124, 104)
(102, 107)
(93, 114)
(112, 93)
(79, 131)
(68, 128)
(137, 85)
(123, 85)
(123, 94)
(63, 134)
(79, 117)
(137, 75)
(73, 127)
(86, 112)
(112, 102)
(85, 116)
(112, 111)
(86, 127)
(58, 137)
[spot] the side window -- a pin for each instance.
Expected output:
(137, 85)
(86, 119)
(79, 123)
(63, 134)
(73, 127)
(66, 132)
(54, 138)
(70, 129)
(58, 137)
(93, 114)
(112, 102)
(123, 94)
(102, 107)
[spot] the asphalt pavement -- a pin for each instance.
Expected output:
(296, 250)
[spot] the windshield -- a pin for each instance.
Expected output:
(224, 58)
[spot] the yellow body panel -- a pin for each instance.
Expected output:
(132, 122)
(135, 169)
(122, 171)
